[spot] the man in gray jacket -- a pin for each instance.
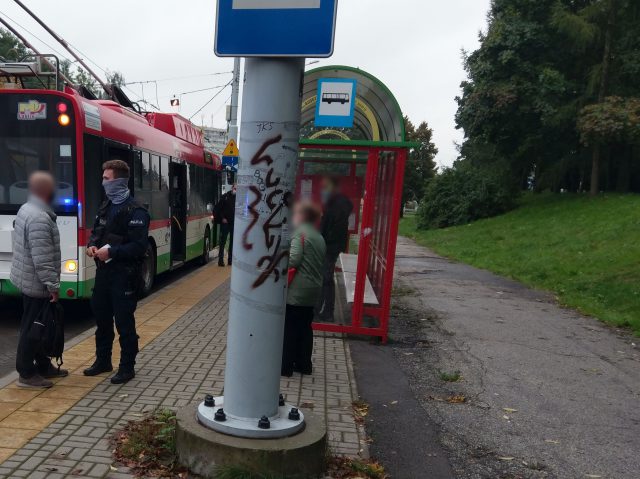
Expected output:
(35, 271)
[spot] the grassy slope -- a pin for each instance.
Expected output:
(587, 251)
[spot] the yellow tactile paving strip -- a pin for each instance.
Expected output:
(24, 412)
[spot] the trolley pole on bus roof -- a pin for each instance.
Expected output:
(276, 36)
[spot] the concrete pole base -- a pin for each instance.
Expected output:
(207, 452)
(279, 425)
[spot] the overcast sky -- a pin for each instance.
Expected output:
(411, 45)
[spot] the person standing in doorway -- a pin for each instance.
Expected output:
(35, 271)
(306, 258)
(334, 228)
(118, 244)
(224, 213)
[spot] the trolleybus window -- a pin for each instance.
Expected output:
(37, 133)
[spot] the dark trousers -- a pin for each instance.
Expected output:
(29, 360)
(298, 340)
(114, 299)
(328, 297)
(226, 230)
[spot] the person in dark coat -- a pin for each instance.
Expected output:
(224, 214)
(334, 228)
(118, 244)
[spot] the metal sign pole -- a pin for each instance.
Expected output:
(266, 179)
(232, 134)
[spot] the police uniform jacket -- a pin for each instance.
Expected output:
(125, 227)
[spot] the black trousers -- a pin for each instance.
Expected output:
(298, 339)
(226, 230)
(114, 299)
(328, 297)
(29, 360)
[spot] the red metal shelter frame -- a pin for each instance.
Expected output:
(375, 138)
(377, 238)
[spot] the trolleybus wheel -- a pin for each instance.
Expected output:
(206, 249)
(148, 271)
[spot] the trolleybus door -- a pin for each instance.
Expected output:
(178, 198)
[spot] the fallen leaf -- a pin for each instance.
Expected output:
(113, 469)
(122, 396)
(506, 458)
(592, 475)
(51, 469)
(394, 402)
(456, 399)
(308, 405)
(408, 354)
(505, 417)
(509, 409)
(552, 441)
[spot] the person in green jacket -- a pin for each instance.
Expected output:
(306, 259)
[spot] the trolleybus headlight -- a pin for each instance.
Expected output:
(64, 119)
(70, 266)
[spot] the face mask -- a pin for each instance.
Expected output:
(116, 190)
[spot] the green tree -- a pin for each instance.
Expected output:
(539, 65)
(11, 48)
(593, 25)
(115, 78)
(86, 80)
(420, 166)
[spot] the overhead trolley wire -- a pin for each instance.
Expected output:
(179, 78)
(60, 55)
(211, 99)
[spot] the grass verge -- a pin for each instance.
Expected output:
(585, 250)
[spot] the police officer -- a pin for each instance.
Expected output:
(118, 245)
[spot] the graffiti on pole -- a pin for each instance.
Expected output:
(268, 190)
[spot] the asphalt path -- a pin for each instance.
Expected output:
(543, 391)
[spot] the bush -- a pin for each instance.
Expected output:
(464, 193)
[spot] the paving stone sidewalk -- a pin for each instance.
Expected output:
(180, 366)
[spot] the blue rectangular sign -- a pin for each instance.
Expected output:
(335, 102)
(231, 162)
(275, 28)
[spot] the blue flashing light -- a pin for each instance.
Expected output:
(67, 201)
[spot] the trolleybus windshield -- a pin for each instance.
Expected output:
(36, 133)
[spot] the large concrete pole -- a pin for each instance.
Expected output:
(270, 128)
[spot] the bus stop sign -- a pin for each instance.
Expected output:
(275, 28)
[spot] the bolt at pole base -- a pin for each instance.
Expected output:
(283, 424)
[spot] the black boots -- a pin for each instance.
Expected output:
(122, 377)
(98, 368)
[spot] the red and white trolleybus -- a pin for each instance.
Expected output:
(71, 136)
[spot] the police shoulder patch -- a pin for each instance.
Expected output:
(136, 222)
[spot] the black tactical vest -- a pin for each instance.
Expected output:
(114, 232)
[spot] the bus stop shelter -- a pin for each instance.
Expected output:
(362, 144)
